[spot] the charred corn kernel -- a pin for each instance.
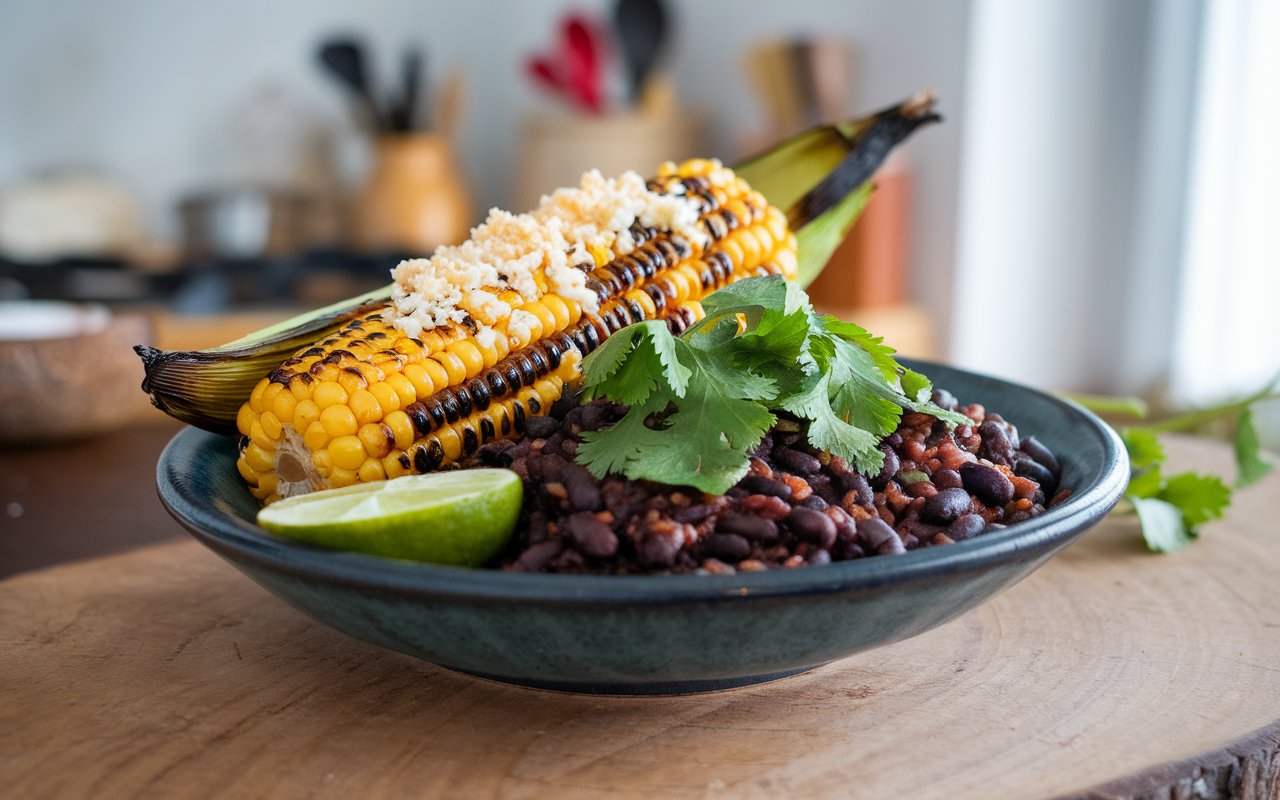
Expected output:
(347, 452)
(401, 428)
(329, 393)
(453, 367)
(339, 421)
(470, 356)
(387, 393)
(365, 406)
(372, 402)
(377, 438)
(304, 414)
(645, 302)
(371, 471)
(393, 467)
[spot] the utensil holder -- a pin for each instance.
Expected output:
(558, 148)
(414, 200)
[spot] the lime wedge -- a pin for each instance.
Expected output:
(462, 518)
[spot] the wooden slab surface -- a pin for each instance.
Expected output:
(165, 673)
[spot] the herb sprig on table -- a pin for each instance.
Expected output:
(700, 402)
(1171, 508)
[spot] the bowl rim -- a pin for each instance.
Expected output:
(242, 542)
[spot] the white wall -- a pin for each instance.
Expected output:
(159, 94)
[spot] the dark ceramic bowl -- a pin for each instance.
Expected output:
(654, 634)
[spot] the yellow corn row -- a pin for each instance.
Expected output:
(371, 403)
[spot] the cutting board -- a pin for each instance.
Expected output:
(1111, 672)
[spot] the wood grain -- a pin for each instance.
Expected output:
(166, 673)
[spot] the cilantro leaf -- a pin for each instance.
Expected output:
(627, 366)
(1146, 483)
(1200, 498)
(702, 401)
(1250, 466)
(1144, 448)
(1163, 527)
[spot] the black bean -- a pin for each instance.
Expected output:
(540, 427)
(819, 557)
(945, 506)
(758, 484)
(947, 479)
(593, 537)
(693, 514)
(536, 558)
(945, 399)
(1028, 467)
(812, 526)
(890, 468)
(796, 461)
(728, 547)
(996, 446)
(965, 527)
(857, 482)
(988, 484)
(755, 528)
(815, 502)
(593, 416)
(994, 526)
(875, 534)
(659, 548)
(581, 487)
(1036, 449)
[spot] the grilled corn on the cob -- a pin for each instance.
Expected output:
(373, 401)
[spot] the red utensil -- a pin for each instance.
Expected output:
(572, 69)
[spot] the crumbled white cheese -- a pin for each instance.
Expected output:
(520, 252)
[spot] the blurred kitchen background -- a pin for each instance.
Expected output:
(1100, 210)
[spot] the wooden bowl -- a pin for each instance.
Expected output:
(78, 377)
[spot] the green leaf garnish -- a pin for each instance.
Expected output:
(702, 401)
(1249, 464)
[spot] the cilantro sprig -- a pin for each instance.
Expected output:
(700, 402)
(1171, 508)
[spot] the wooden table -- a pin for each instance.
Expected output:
(1109, 673)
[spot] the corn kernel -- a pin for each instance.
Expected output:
(329, 393)
(271, 423)
(352, 382)
(371, 470)
(340, 477)
(255, 397)
(323, 462)
(387, 393)
(402, 428)
(643, 299)
(392, 467)
(453, 367)
(244, 419)
(365, 406)
(450, 442)
(470, 355)
(304, 414)
(258, 459)
(733, 250)
(259, 436)
(374, 438)
(269, 394)
(284, 406)
(315, 436)
(267, 483)
(347, 452)
(339, 421)
(419, 378)
(246, 471)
